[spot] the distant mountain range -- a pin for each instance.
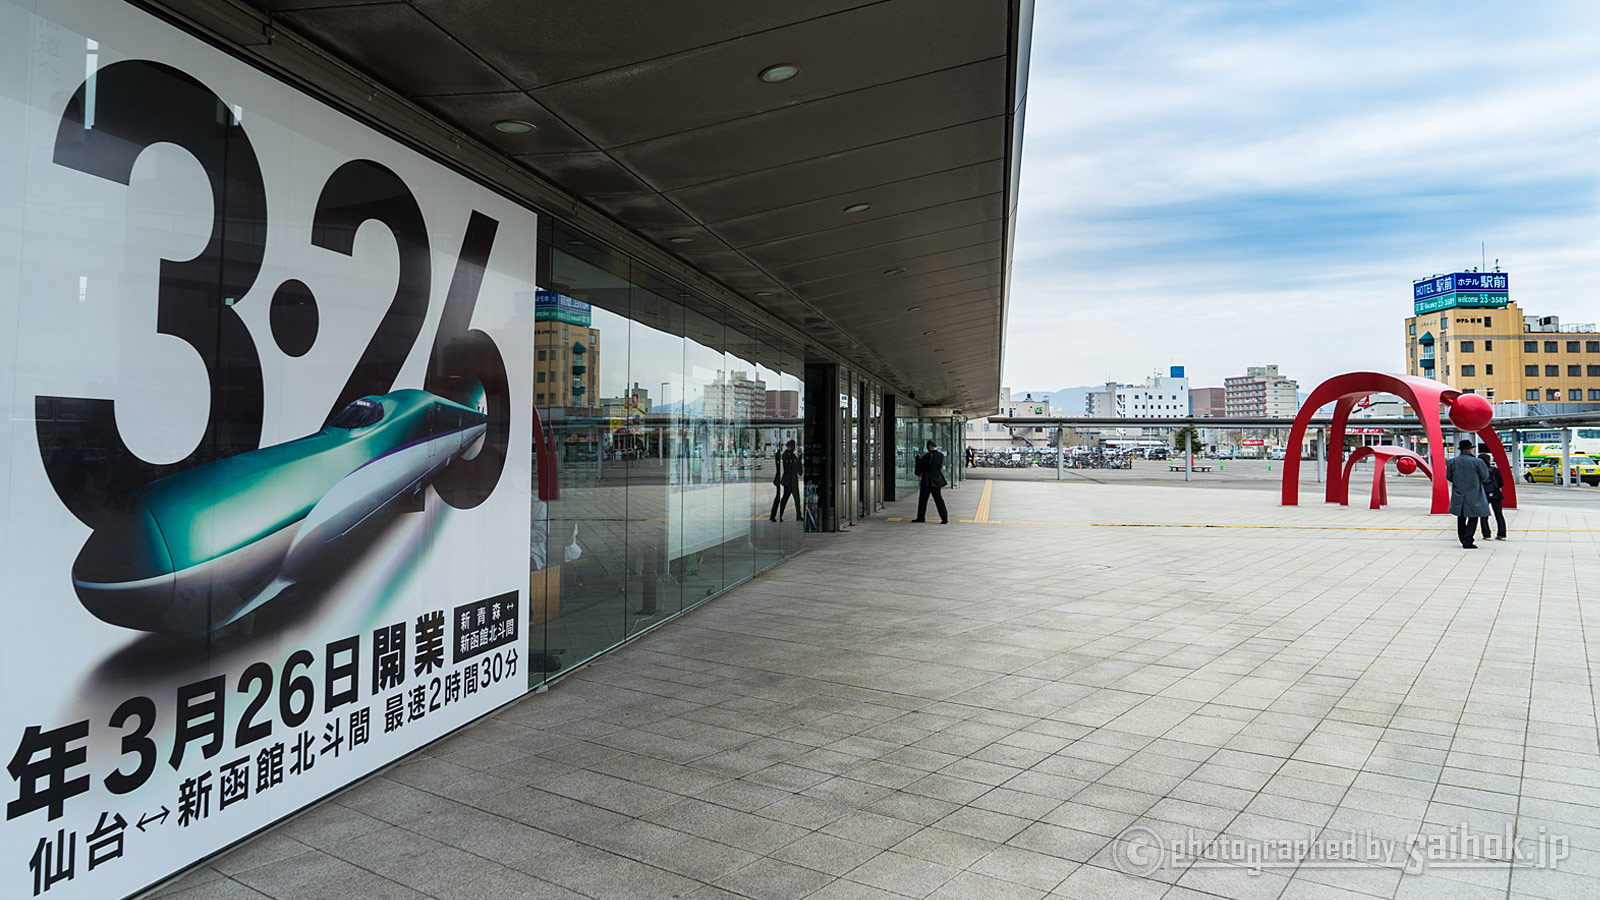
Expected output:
(696, 407)
(1069, 400)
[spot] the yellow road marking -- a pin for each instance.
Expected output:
(982, 515)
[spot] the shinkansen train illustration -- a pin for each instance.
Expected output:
(202, 549)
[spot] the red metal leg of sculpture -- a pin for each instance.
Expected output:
(1422, 394)
(1356, 455)
(1509, 492)
(1380, 484)
(1336, 436)
(1325, 393)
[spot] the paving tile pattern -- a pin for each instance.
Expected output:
(1028, 711)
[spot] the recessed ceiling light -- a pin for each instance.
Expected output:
(895, 271)
(938, 349)
(858, 207)
(926, 333)
(515, 126)
(577, 243)
(780, 72)
(763, 293)
(912, 308)
(681, 240)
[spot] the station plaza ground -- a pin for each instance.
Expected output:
(1113, 686)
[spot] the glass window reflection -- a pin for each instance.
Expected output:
(664, 421)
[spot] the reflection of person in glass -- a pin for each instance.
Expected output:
(787, 481)
(930, 468)
(702, 453)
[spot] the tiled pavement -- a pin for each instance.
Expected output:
(1030, 710)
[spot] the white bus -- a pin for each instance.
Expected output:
(1547, 442)
(1133, 445)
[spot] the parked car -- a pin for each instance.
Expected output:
(1583, 467)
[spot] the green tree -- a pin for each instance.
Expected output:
(1186, 438)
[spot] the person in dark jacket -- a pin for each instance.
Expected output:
(1497, 484)
(930, 466)
(787, 480)
(1469, 493)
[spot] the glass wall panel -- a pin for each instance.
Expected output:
(788, 417)
(821, 434)
(580, 356)
(769, 469)
(846, 447)
(904, 477)
(912, 434)
(654, 423)
(909, 437)
(871, 439)
(703, 455)
(662, 419)
(742, 393)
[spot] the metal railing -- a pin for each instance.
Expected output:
(1318, 425)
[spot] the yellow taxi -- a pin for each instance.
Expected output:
(1583, 468)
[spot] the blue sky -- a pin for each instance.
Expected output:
(1239, 182)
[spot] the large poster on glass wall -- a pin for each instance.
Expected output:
(264, 460)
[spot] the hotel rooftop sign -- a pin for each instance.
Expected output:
(1471, 290)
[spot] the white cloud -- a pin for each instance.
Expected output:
(1223, 184)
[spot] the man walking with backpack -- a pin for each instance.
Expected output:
(1496, 488)
(930, 467)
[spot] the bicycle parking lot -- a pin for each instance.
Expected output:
(1076, 458)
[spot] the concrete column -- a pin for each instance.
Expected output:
(1061, 452)
(1566, 459)
(1322, 450)
(1188, 447)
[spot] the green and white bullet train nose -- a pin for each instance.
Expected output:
(201, 549)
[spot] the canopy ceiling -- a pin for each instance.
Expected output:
(655, 113)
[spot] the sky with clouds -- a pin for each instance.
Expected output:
(1240, 182)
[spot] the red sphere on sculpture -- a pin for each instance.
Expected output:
(1471, 412)
(1405, 465)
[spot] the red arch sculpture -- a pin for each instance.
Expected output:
(1423, 395)
(1382, 454)
(544, 453)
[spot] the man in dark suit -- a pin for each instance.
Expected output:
(787, 480)
(1469, 492)
(930, 466)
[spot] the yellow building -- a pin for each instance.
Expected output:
(1505, 355)
(566, 365)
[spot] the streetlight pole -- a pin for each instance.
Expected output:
(1566, 479)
